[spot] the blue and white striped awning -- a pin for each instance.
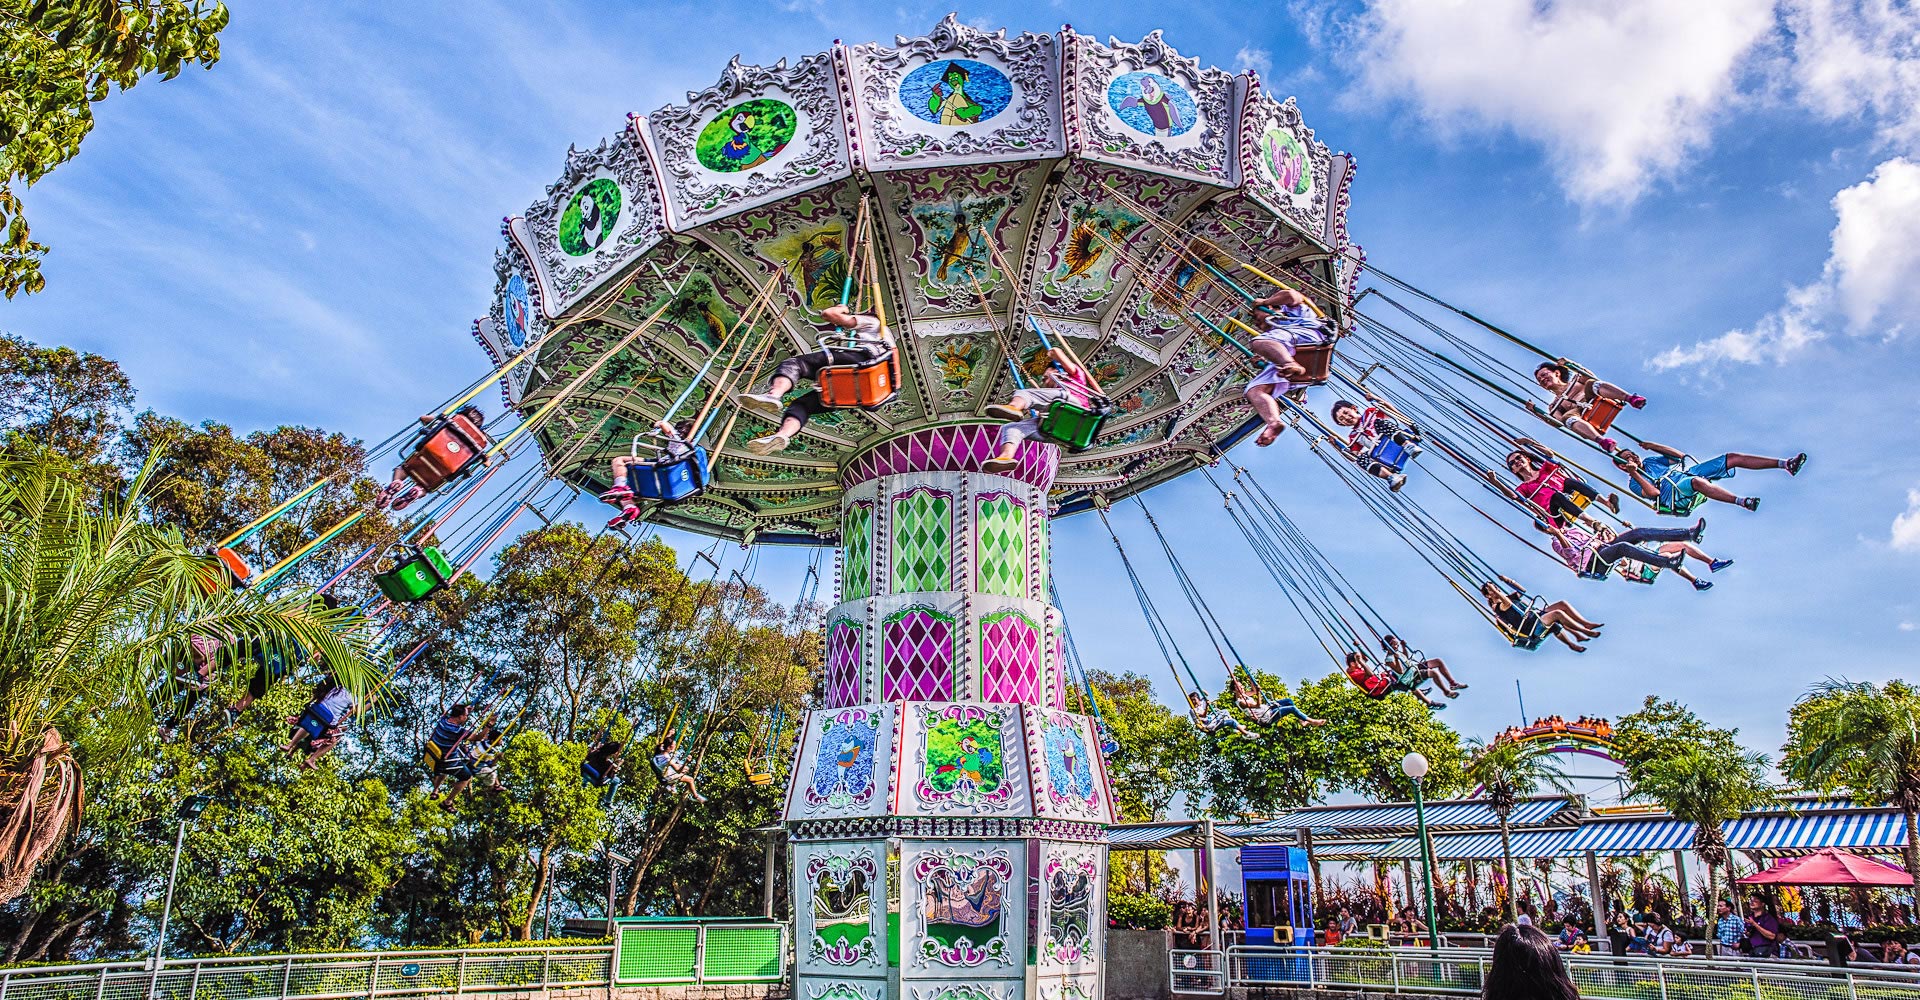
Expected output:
(1632, 836)
(1353, 850)
(1440, 816)
(1862, 830)
(1483, 846)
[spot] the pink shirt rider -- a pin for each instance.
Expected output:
(1574, 546)
(1545, 485)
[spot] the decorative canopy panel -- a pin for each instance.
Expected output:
(1006, 177)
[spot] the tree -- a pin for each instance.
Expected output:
(1662, 729)
(99, 605)
(1366, 738)
(1707, 786)
(1863, 739)
(67, 401)
(1159, 756)
(1509, 770)
(57, 59)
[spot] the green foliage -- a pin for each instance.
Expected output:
(1661, 729)
(1365, 739)
(1707, 786)
(57, 59)
(1138, 911)
(958, 749)
(1160, 752)
(770, 126)
(62, 400)
(604, 195)
(1863, 739)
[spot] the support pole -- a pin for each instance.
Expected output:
(1203, 873)
(766, 891)
(1599, 895)
(1680, 875)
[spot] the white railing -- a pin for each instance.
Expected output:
(1189, 972)
(1463, 971)
(333, 976)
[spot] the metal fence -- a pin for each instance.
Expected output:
(1462, 971)
(374, 975)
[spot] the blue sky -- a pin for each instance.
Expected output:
(1717, 203)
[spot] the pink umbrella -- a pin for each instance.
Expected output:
(1831, 867)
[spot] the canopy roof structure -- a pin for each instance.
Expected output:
(1037, 195)
(1544, 827)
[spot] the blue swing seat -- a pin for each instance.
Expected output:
(1389, 453)
(671, 479)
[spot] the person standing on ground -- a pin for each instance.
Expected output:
(1526, 966)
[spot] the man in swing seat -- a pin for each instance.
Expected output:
(1065, 381)
(872, 341)
(1672, 479)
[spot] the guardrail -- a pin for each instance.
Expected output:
(723, 953)
(1463, 971)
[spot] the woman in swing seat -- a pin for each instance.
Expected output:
(1559, 618)
(1290, 324)
(1215, 720)
(872, 341)
(674, 771)
(401, 491)
(1546, 484)
(1064, 381)
(1268, 711)
(1400, 659)
(1378, 684)
(1573, 391)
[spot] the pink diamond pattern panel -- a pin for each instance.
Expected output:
(917, 656)
(843, 663)
(958, 448)
(1010, 658)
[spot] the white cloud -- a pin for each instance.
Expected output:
(1906, 525)
(1905, 626)
(1250, 59)
(1860, 58)
(1620, 92)
(1870, 284)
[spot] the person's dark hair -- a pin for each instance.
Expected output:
(1527, 966)
(1344, 405)
(1548, 366)
(459, 709)
(474, 413)
(685, 428)
(1518, 454)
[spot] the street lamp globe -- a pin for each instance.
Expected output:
(1414, 765)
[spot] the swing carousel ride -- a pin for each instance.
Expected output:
(988, 197)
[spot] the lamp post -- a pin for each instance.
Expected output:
(614, 860)
(1415, 766)
(187, 813)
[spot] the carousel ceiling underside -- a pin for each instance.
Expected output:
(955, 139)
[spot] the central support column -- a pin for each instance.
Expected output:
(947, 814)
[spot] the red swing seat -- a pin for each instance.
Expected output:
(448, 448)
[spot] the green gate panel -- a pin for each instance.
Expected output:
(856, 562)
(743, 954)
(1001, 552)
(657, 954)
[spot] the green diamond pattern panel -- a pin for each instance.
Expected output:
(856, 554)
(922, 542)
(1043, 537)
(1002, 549)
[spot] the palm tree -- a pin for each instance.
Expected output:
(1508, 771)
(1864, 739)
(1707, 788)
(97, 606)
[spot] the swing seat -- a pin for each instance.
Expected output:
(1597, 569)
(419, 572)
(233, 572)
(1531, 631)
(759, 772)
(1073, 425)
(671, 479)
(1389, 453)
(1641, 573)
(865, 384)
(1600, 413)
(1679, 510)
(1317, 359)
(448, 448)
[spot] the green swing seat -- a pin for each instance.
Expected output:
(419, 571)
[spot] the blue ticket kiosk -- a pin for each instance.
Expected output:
(1278, 889)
